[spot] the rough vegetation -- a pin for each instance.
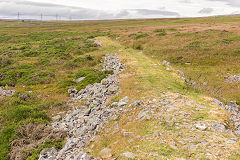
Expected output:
(177, 97)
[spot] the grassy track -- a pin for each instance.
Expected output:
(145, 80)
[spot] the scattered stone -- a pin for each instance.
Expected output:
(105, 153)
(219, 127)
(143, 115)
(128, 155)
(201, 127)
(237, 132)
(165, 63)
(48, 154)
(180, 73)
(79, 79)
(56, 118)
(98, 43)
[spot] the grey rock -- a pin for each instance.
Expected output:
(98, 43)
(112, 89)
(180, 73)
(114, 104)
(128, 155)
(165, 63)
(79, 79)
(125, 100)
(201, 127)
(237, 132)
(87, 112)
(6, 93)
(56, 118)
(143, 115)
(48, 154)
(104, 82)
(219, 127)
(106, 153)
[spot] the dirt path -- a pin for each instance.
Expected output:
(172, 122)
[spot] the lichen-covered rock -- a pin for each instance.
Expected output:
(6, 93)
(48, 154)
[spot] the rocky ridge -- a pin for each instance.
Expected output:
(85, 122)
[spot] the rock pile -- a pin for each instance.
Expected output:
(5, 93)
(83, 124)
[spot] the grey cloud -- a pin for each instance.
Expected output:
(156, 12)
(49, 11)
(122, 14)
(206, 11)
(33, 10)
(233, 3)
(39, 4)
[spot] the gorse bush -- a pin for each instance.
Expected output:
(6, 137)
(22, 108)
(91, 77)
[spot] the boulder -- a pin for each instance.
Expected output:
(201, 126)
(219, 127)
(105, 153)
(128, 155)
(143, 115)
(56, 118)
(79, 79)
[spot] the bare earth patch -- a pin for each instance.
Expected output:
(30, 136)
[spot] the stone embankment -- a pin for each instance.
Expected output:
(234, 117)
(232, 107)
(85, 122)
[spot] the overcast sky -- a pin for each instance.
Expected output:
(114, 9)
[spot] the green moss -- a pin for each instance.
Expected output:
(25, 74)
(5, 61)
(141, 36)
(161, 32)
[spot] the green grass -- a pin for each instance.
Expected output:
(43, 60)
